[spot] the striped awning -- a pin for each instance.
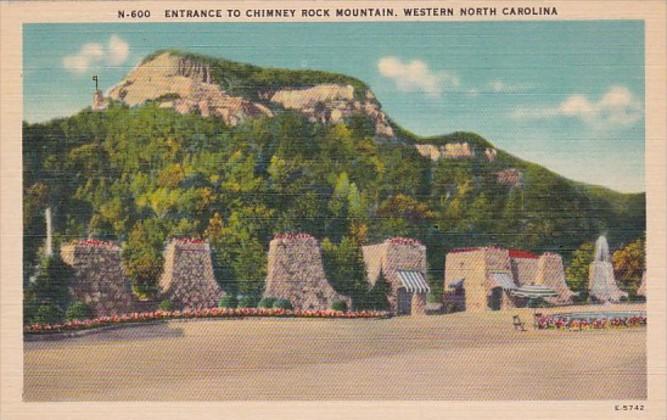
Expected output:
(534, 291)
(413, 281)
(502, 279)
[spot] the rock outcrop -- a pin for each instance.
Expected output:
(295, 272)
(98, 277)
(331, 103)
(462, 150)
(187, 279)
(189, 86)
(511, 177)
(186, 86)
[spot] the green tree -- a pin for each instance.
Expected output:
(142, 255)
(49, 290)
(345, 269)
(629, 264)
(576, 273)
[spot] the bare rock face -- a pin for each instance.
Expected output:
(461, 150)
(187, 279)
(295, 272)
(510, 176)
(98, 277)
(186, 86)
(330, 103)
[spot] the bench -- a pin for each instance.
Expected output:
(518, 324)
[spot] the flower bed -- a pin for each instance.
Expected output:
(78, 325)
(560, 322)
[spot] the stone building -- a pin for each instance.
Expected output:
(551, 273)
(480, 279)
(187, 278)
(296, 273)
(402, 263)
(641, 291)
(98, 276)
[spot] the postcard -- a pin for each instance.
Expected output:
(297, 209)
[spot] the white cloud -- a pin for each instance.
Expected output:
(618, 106)
(91, 54)
(118, 50)
(415, 75)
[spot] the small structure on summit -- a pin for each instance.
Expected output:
(98, 276)
(402, 262)
(602, 282)
(187, 278)
(99, 102)
(296, 273)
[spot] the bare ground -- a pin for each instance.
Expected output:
(449, 357)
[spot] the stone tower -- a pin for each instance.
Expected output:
(98, 276)
(295, 272)
(187, 278)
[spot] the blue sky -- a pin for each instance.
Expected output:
(567, 95)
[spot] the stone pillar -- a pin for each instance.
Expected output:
(98, 277)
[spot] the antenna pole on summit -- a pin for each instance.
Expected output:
(95, 80)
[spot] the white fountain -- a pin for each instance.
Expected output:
(49, 235)
(601, 281)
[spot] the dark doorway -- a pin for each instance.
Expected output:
(404, 302)
(496, 298)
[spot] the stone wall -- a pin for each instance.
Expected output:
(391, 256)
(550, 273)
(187, 278)
(524, 270)
(98, 279)
(295, 272)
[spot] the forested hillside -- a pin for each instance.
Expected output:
(144, 174)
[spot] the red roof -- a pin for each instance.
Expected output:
(520, 253)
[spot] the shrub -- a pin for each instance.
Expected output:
(282, 304)
(450, 308)
(247, 302)
(266, 302)
(166, 305)
(228, 301)
(78, 310)
(48, 314)
(339, 305)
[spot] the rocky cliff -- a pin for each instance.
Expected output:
(190, 85)
(186, 86)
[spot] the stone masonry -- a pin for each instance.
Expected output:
(98, 276)
(388, 258)
(295, 272)
(187, 279)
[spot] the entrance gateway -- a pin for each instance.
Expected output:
(412, 282)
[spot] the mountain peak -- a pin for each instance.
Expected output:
(235, 92)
